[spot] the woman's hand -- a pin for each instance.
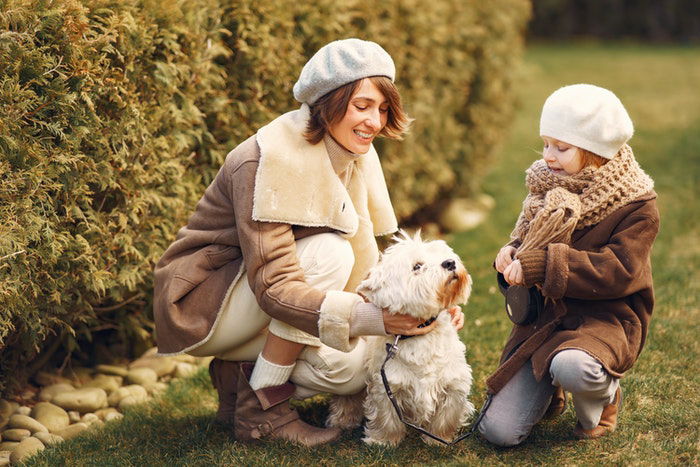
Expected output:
(405, 325)
(513, 274)
(457, 317)
(504, 258)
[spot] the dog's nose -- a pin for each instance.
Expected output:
(449, 264)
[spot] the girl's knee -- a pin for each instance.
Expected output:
(574, 370)
(501, 433)
(325, 256)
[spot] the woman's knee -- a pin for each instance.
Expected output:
(574, 370)
(501, 432)
(326, 256)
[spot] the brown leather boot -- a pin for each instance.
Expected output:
(557, 406)
(224, 377)
(266, 414)
(607, 423)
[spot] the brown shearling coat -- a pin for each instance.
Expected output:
(598, 291)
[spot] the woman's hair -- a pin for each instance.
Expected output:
(330, 109)
(589, 158)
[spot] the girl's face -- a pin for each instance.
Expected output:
(364, 118)
(561, 158)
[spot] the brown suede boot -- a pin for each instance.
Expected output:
(224, 377)
(607, 423)
(557, 406)
(266, 414)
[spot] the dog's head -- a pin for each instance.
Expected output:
(417, 278)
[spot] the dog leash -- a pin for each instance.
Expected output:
(391, 351)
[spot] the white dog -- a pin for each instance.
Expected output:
(429, 375)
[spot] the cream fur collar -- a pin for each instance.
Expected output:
(296, 184)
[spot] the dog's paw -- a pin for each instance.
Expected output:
(380, 442)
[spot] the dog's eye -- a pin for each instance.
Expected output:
(417, 266)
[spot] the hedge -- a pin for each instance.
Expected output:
(116, 114)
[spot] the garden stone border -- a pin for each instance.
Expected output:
(64, 407)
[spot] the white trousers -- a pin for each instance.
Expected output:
(240, 332)
(522, 402)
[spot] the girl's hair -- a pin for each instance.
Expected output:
(330, 109)
(590, 158)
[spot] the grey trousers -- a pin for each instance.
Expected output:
(523, 401)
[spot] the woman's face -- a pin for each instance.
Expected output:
(364, 118)
(561, 158)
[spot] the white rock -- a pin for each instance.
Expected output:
(26, 422)
(103, 413)
(142, 376)
(161, 365)
(51, 416)
(74, 416)
(16, 434)
(7, 408)
(5, 458)
(26, 448)
(107, 382)
(8, 445)
(134, 390)
(112, 370)
(183, 370)
(72, 431)
(83, 400)
(23, 410)
(113, 416)
(49, 439)
(155, 388)
(49, 392)
(90, 418)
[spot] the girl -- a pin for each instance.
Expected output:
(265, 268)
(584, 239)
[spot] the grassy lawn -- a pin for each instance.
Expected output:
(659, 422)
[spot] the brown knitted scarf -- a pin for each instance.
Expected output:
(557, 205)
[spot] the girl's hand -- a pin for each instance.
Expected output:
(504, 258)
(457, 317)
(405, 325)
(514, 273)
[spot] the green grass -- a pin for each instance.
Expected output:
(659, 86)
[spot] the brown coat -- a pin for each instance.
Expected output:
(248, 221)
(599, 295)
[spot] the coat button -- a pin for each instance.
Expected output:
(342, 209)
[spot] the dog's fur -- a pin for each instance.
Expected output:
(429, 375)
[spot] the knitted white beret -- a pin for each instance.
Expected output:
(588, 117)
(341, 62)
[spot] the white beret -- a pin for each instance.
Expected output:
(587, 116)
(341, 62)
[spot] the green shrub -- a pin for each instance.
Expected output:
(116, 114)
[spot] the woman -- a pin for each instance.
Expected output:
(295, 208)
(584, 238)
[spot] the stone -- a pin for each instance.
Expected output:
(7, 408)
(5, 458)
(74, 416)
(128, 401)
(8, 445)
(3, 422)
(114, 370)
(161, 365)
(16, 434)
(462, 214)
(183, 370)
(72, 431)
(113, 416)
(26, 448)
(26, 422)
(134, 390)
(51, 416)
(81, 375)
(107, 382)
(155, 388)
(23, 410)
(104, 413)
(90, 418)
(82, 400)
(49, 392)
(49, 439)
(142, 376)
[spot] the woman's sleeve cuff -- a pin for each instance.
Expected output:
(334, 320)
(367, 320)
(534, 263)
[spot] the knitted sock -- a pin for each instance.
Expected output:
(266, 374)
